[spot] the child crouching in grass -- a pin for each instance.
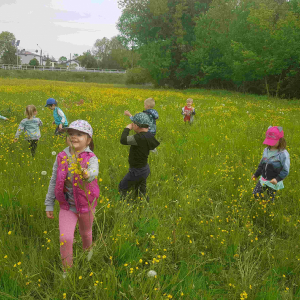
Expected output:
(74, 168)
(31, 127)
(274, 165)
(140, 145)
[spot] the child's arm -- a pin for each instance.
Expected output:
(19, 131)
(285, 161)
(3, 118)
(127, 113)
(125, 138)
(63, 119)
(92, 171)
(259, 170)
(50, 197)
(193, 112)
(40, 122)
(183, 112)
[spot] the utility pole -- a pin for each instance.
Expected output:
(17, 44)
(41, 59)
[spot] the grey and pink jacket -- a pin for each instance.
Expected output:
(84, 201)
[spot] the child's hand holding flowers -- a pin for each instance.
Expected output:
(85, 173)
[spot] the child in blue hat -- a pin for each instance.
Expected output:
(60, 118)
(141, 143)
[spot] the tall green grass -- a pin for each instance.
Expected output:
(202, 231)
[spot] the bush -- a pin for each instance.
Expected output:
(109, 78)
(138, 76)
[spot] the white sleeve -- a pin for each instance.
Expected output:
(61, 114)
(50, 197)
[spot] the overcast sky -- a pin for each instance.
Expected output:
(59, 27)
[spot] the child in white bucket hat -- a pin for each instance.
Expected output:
(74, 185)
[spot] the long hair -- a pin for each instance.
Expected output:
(29, 111)
(91, 145)
(282, 144)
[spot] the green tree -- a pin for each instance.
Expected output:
(62, 59)
(48, 62)
(163, 25)
(34, 62)
(88, 60)
(7, 48)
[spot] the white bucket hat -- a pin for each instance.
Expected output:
(81, 125)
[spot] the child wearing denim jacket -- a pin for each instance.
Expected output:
(274, 165)
(31, 127)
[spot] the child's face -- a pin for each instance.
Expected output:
(135, 127)
(78, 140)
(146, 106)
(35, 113)
(189, 104)
(275, 146)
(52, 107)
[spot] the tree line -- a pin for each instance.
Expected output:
(105, 54)
(244, 45)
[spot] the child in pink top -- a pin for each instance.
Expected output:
(74, 185)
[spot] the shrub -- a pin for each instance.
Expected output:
(137, 76)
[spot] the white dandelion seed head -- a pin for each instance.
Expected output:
(151, 273)
(44, 173)
(53, 153)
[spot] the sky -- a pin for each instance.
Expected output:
(59, 27)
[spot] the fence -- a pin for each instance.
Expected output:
(64, 69)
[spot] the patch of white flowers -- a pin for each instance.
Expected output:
(151, 273)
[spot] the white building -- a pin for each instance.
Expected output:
(27, 56)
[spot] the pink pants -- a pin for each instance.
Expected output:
(67, 225)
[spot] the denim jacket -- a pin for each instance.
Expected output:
(277, 166)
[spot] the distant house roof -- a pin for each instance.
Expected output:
(44, 58)
(27, 53)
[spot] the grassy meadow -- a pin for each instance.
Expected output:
(202, 231)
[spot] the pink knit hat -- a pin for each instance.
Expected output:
(273, 135)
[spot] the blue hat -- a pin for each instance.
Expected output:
(50, 101)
